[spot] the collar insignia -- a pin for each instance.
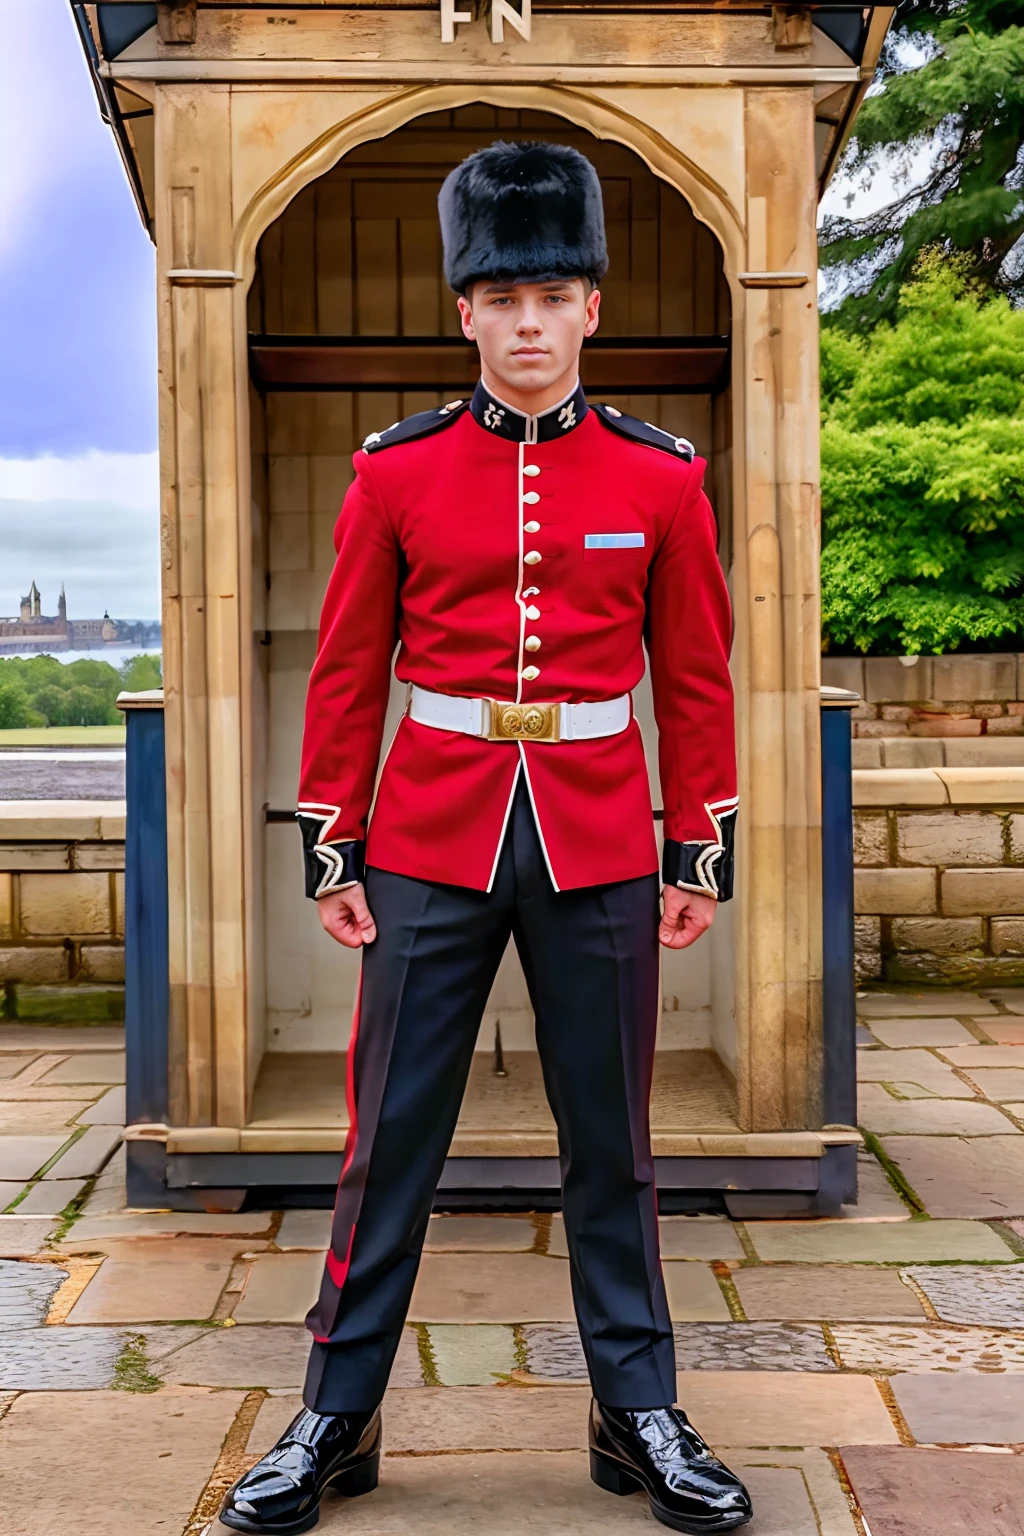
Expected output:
(503, 421)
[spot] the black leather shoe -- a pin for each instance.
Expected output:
(658, 1452)
(280, 1495)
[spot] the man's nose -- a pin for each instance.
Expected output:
(529, 320)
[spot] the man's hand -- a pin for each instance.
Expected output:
(685, 916)
(347, 918)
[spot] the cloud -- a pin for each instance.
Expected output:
(89, 522)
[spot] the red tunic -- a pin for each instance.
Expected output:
(436, 545)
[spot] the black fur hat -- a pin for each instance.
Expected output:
(525, 212)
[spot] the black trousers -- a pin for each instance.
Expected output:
(591, 964)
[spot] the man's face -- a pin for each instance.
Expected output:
(530, 334)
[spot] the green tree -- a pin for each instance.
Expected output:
(961, 104)
(13, 707)
(923, 473)
(140, 673)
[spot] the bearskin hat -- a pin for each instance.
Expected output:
(527, 212)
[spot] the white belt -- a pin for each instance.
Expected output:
(497, 721)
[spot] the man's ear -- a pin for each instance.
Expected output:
(466, 316)
(593, 311)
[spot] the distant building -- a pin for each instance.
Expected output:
(34, 631)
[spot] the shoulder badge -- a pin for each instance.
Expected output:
(645, 432)
(423, 424)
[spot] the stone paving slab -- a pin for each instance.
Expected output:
(491, 1288)
(931, 1348)
(775, 1408)
(23, 1156)
(59, 1359)
(26, 1291)
(878, 1111)
(51, 1196)
(1010, 997)
(901, 1034)
(42, 1118)
(555, 1352)
(983, 1177)
(894, 1005)
(911, 1242)
(305, 1229)
(694, 1295)
(166, 1446)
(154, 1281)
(971, 1056)
(86, 1156)
(1002, 1084)
(682, 1237)
(916, 1074)
(479, 1234)
(10, 1066)
(969, 1408)
(61, 1037)
(964, 1293)
(804, 1293)
(108, 1110)
(89, 1067)
(100, 1229)
(22, 1236)
(10, 1191)
(495, 1418)
(473, 1356)
(109, 1196)
(1005, 1031)
(281, 1288)
(797, 1494)
(876, 1198)
(274, 1357)
(900, 1489)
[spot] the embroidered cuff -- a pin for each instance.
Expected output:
(330, 866)
(703, 867)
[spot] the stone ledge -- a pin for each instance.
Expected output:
(49, 821)
(894, 787)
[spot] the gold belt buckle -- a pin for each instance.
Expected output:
(524, 722)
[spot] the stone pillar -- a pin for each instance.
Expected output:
(204, 606)
(778, 941)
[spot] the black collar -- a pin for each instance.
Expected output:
(504, 421)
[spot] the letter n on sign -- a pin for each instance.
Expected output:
(502, 11)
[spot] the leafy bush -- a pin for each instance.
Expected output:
(40, 690)
(923, 473)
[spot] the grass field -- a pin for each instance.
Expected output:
(65, 736)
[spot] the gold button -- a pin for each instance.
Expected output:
(531, 527)
(531, 498)
(532, 557)
(529, 673)
(531, 469)
(532, 643)
(532, 612)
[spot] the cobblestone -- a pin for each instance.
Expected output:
(555, 1352)
(933, 1348)
(970, 1293)
(25, 1292)
(59, 1359)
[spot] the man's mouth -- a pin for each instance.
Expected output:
(530, 352)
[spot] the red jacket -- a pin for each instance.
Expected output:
(436, 554)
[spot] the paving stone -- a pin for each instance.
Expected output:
(932, 1004)
(149, 1280)
(472, 1356)
(108, 1110)
(967, 1293)
(682, 1237)
(694, 1295)
(864, 1035)
(41, 1117)
(556, 1352)
(983, 1177)
(86, 1156)
(913, 1242)
(800, 1292)
(786, 1409)
(902, 1033)
(275, 1414)
(305, 1229)
(10, 1191)
(969, 1408)
(59, 1359)
(1001, 1084)
(26, 1291)
(931, 1348)
(89, 1067)
(876, 1198)
(491, 1288)
(971, 1056)
(900, 1489)
(51, 1196)
(878, 1111)
(797, 1494)
(240, 1357)
(89, 1229)
(491, 1418)
(109, 1194)
(916, 1074)
(281, 1288)
(60, 1037)
(480, 1234)
(23, 1156)
(1010, 997)
(22, 1236)
(160, 1341)
(10, 1066)
(1004, 1031)
(167, 1443)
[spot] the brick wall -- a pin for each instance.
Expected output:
(62, 909)
(939, 875)
(932, 696)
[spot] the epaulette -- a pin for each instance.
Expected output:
(644, 432)
(422, 424)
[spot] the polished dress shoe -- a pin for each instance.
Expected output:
(280, 1495)
(658, 1452)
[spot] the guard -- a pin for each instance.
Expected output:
(522, 549)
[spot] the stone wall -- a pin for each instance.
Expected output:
(933, 696)
(939, 877)
(62, 909)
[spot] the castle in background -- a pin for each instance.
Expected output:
(34, 631)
